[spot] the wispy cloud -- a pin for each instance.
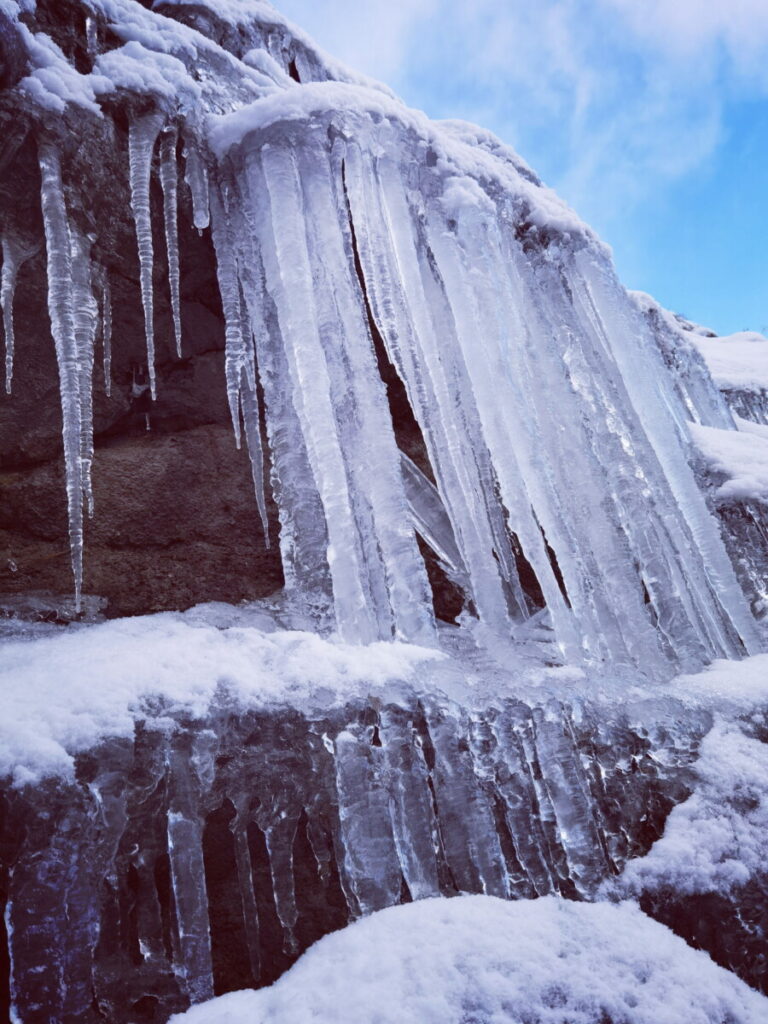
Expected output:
(616, 94)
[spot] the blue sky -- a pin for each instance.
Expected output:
(649, 116)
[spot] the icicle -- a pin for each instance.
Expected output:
(7, 289)
(249, 404)
(106, 331)
(15, 254)
(142, 135)
(60, 307)
(86, 311)
(236, 349)
(170, 185)
(196, 177)
(239, 362)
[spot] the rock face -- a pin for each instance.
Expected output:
(200, 858)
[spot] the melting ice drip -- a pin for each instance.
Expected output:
(552, 429)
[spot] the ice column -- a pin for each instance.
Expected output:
(142, 135)
(106, 330)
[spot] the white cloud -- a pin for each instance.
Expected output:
(623, 96)
(372, 36)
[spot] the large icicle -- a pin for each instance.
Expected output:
(379, 583)
(60, 307)
(170, 185)
(303, 531)
(389, 255)
(239, 359)
(142, 136)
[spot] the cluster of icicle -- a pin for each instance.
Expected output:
(80, 307)
(551, 425)
(554, 433)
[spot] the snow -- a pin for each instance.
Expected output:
(478, 958)
(716, 839)
(740, 455)
(738, 362)
(457, 151)
(63, 694)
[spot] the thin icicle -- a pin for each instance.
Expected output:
(239, 362)
(15, 254)
(86, 312)
(60, 308)
(250, 406)
(170, 184)
(7, 289)
(196, 177)
(142, 136)
(236, 348)
(106, 331)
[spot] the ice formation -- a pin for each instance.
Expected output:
(351, 233)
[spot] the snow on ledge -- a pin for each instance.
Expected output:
(738, 362)
(63, 694)
(740, 455)
(479, 958)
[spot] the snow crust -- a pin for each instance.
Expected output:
(740, 455)
(481, 959)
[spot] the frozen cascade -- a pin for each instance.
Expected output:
(68, 356)
(142, 136)
(170, 186)
(388, 284)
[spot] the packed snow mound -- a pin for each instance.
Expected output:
(484, 960)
